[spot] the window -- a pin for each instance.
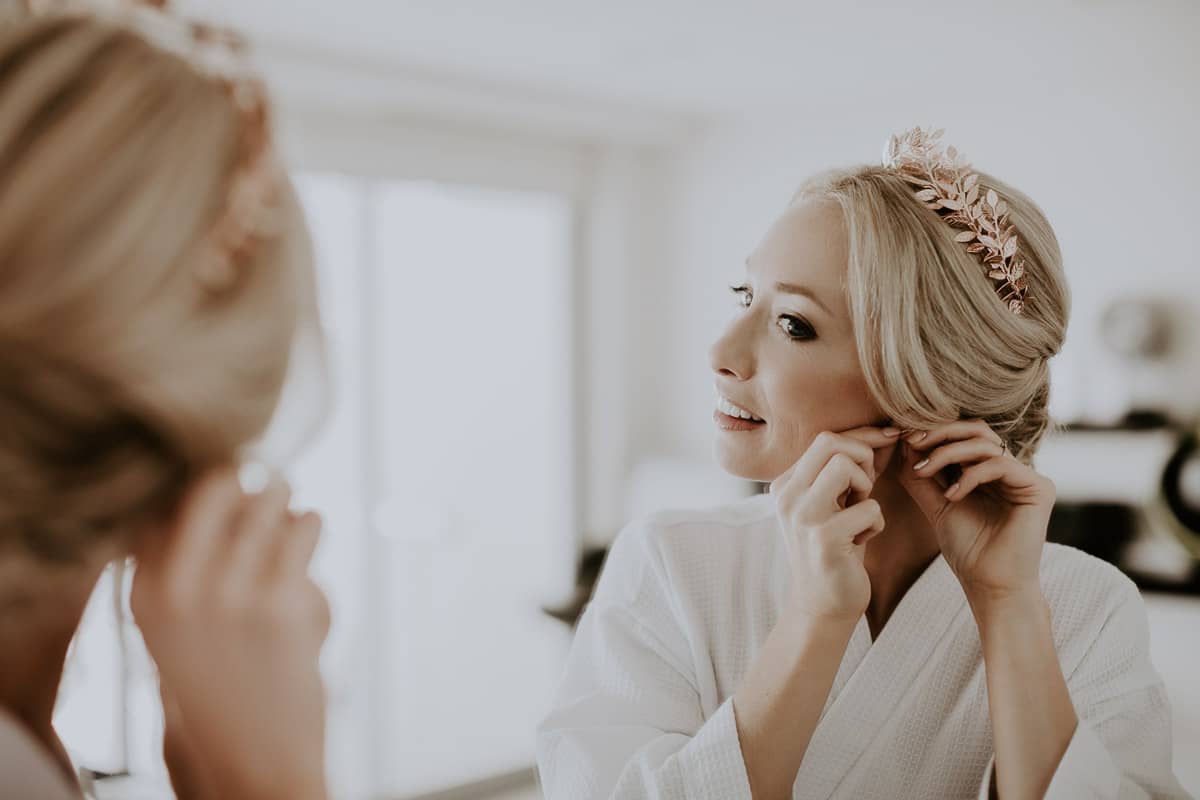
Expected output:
(446, 471)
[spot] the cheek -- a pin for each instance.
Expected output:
(811, 396)
(804, 392)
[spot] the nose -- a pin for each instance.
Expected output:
(732, 354)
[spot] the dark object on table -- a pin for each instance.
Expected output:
(1181, 497)
(1105, 530)
(585, 583)
(1102, 529)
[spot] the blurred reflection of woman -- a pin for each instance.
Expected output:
(154, 276)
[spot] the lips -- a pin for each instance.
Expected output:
(735, 410)
(728, 423)
(732, 416)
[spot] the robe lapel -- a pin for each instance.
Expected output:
(856, 652)
(874, 678)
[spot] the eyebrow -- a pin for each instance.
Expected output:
(791, 288)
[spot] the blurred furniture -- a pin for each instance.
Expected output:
(1130, 495)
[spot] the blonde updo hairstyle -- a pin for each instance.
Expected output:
(122, 376)
(935, 341)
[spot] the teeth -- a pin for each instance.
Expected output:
(726, 407)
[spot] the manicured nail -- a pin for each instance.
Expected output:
(891, 432)
(918, 436)
(951, 490)
(921, 464)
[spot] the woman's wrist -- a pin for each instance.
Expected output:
(779, 703)
(806, 623)
(289, 787)
(310, 787)
(1004, 609)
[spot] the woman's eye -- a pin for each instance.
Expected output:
(796, 328)
(744, 298)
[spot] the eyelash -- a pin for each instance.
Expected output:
(745, 298)
(743, 295)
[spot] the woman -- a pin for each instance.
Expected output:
(889, 615)
(154, 273)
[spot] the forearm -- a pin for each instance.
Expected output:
(781, 699)
(194, 779)
(1033, 718)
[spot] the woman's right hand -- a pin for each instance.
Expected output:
(235, 626)
(827, 516)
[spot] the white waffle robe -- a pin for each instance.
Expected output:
(684, 604)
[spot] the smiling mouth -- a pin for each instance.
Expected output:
(727, 408)
(730, 417)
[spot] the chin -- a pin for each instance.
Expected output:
(741, 462)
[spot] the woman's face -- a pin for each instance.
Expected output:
(788, 357)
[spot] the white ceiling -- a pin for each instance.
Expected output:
(723, 56)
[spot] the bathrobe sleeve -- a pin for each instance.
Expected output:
(1121, 749)
(627, 720)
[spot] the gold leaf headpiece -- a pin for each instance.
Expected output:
(950, 188)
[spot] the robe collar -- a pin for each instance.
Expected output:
(874, 677)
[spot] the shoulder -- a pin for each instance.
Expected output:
(1072, 578)
(1091, 601)
(682, 535)
(674, 547)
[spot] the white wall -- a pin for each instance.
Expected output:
(1090, 107)
(1113, 158)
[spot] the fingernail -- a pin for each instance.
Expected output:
(951, 490)
(918, 436)
(921, 464)
(892, 432)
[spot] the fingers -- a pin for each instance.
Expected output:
(884, 442)
(224, 544)
(874, 437)
(841, 474)
(298, 547)
(823, 447)
(961, 452)
(299, 544)
(1012, 473)
(196, 539)
(954, 431)
(925, 488)
(929, 454)
(859, 523)
(254, 543)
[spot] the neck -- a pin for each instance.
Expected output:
(896, 558)
(40, 610)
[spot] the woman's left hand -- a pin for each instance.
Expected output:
(990, 511)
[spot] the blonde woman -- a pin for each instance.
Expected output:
(888, 622)
(154, 272)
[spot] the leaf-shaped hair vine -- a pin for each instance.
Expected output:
(949, 187)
